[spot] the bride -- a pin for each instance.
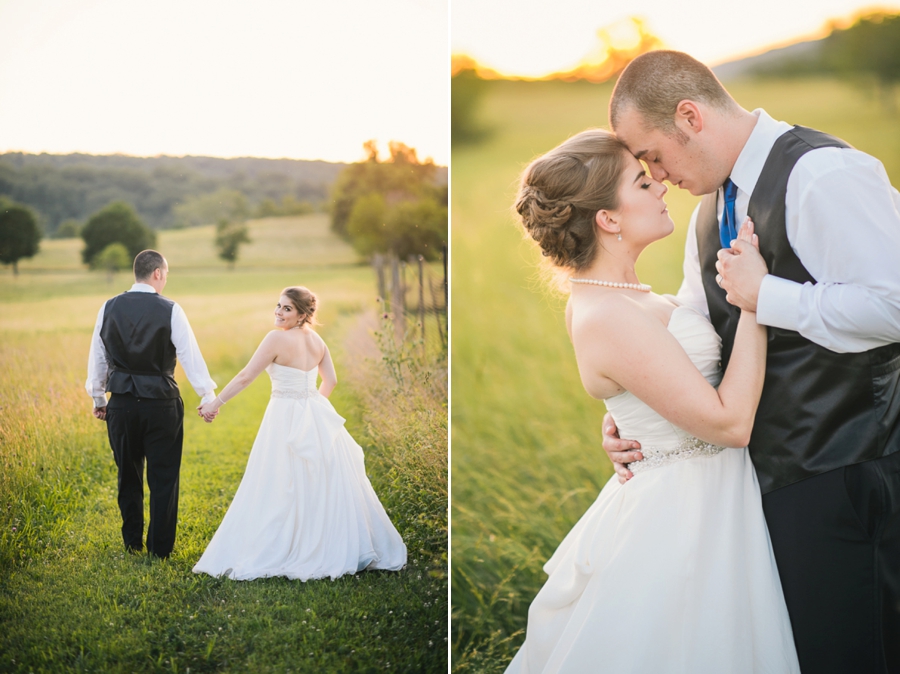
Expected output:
(305, 508)
(673, 570)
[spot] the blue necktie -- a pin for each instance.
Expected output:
(727, 227)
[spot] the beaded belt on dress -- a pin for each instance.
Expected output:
(689, 448)
(294, 393)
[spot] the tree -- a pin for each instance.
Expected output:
(208, 208)
(466, 92)
(229, 237)
(871, 46)
(391, 206)
(116, 223)
(366, 226)
(20, 235)
(113, 258)
(402, 176)
(418, 228)
(68, 229)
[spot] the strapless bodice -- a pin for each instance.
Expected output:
(290, 382)
(662, 441)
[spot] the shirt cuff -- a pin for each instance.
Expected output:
(778, 304)
(208, 398)
(100, 402)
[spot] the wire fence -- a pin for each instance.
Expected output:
(414, 291)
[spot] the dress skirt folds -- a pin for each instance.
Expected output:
(305, 508)
(672, 572)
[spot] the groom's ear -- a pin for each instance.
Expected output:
(688, 117)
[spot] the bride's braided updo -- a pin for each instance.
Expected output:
(561, 192)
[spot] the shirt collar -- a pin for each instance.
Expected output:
(753, 157)
(142, 288)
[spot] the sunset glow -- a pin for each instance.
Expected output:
(534, 40)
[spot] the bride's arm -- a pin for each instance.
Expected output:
(265, 355)
(327, 373)
(639, 353)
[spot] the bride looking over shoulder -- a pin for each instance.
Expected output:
(687, 532)
(305, 508)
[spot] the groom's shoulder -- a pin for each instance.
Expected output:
(826, 161)
(143, 299)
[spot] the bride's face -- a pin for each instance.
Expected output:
(642, 213)
(286, 314)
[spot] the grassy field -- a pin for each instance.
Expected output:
(527, 459)
(70, 600)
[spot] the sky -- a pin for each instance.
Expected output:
(532, 38)
(224, 78)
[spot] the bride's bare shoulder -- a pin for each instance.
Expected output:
(610, 313)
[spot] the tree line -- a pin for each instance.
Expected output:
(164, 191)
(868, 48)
(397, 207)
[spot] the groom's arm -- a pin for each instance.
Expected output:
(188, 353)
(98, 369)
(843, 222)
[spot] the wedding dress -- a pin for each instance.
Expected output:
(305, 508)
(673, 571)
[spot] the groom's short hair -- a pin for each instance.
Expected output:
(656, 82)
(146, 262)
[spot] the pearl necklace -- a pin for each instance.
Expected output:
(643, 287)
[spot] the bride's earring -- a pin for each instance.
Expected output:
(619, 236)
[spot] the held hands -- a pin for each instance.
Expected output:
(620, 451)
(210, 410)
(742, 269)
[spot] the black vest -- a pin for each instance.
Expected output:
(137, 336)
(820, 410)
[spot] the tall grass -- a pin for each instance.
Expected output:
(71, 600)
(527, 455)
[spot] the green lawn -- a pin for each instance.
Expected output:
(527, 459)
(70, 600)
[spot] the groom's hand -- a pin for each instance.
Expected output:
(100, 413)
(207, 412)
(619, 451)
(741, 272)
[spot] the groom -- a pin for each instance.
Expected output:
(137, 337)
(826, 442)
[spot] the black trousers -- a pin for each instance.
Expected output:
(151, 430)
(836, 539)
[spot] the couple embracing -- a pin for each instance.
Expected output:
(304, 509)
(703, 554)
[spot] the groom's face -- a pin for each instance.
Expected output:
(675, 157)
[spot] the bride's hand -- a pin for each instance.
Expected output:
(747, 234)
(208, 411)
(741, 269)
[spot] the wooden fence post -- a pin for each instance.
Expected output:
(378, 262)
(397, 297)
(421, 260)
(437, 313)
(446, 287)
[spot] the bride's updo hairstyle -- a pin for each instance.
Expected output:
(561, 192)
(304, 301)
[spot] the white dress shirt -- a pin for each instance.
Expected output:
(186, 350)
(842, 218)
